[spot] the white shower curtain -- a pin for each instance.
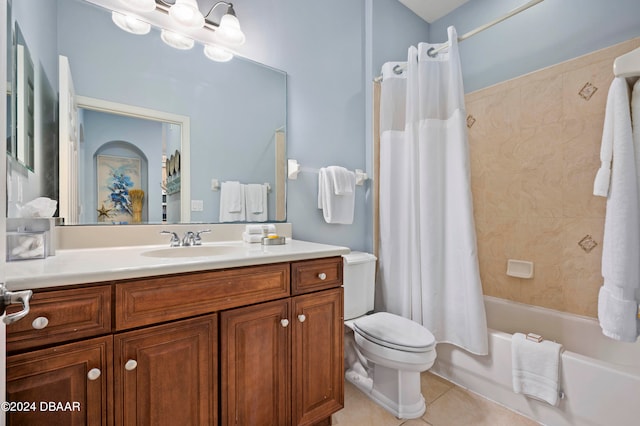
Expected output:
(428, 259)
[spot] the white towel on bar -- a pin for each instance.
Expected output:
(232, 203)
(253, 194)
(344, 181)
(617, 179)
(536, 368)
(335, 208)
(256, 201)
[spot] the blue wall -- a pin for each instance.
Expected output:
(331, 64)
(546, 34)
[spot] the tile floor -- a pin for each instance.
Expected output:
(447, 405)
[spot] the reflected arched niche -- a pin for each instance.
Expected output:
(122, 149)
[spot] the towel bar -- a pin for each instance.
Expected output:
(215, 185)
(293, 168)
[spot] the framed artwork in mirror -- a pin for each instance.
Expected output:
(116, 177)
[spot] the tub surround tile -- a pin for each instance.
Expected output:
(534, 152)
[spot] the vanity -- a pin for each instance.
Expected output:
(249, 336)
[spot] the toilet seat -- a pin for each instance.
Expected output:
(395, 332)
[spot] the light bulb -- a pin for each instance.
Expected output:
(130, 24)
(176, 40)
(140, 5)
(229, 31)
(186, 13)
(217, 53)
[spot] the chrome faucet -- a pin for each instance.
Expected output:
(175, 240)
(197, 240)
(189, 239)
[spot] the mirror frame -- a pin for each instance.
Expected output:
(126, 110)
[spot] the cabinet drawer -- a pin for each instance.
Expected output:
(65, 314)
(166, 298)
(314, 275)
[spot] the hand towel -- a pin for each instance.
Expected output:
(253, 196)
(257, 229)
(617, 180)
(233, 195)
(256, 201)
(232, 203)
(335, 208)
(344, 181)
(251, 238)
(536, 368)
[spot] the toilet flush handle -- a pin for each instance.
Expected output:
(322, 276)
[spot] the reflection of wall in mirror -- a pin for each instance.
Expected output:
(39, 32)
(122, 136)
(234, 107)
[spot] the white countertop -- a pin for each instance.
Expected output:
(80, 266)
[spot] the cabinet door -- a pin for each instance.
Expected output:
(64, 385)
(167, 374)
(318, 360)
(255, 361)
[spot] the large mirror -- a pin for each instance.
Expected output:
(174, 120)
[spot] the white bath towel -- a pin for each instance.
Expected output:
(256, 201)
(335, 208)
(232, 203)
(536, 368)
(617, 179)
(344, 181)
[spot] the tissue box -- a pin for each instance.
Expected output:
(26, 245)
(36, 225)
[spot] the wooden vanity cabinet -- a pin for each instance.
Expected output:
(76, 378)
(167, 374)
(282, 362)
(169, 349)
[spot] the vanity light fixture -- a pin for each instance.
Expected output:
(187, 18)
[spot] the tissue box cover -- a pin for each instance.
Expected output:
(26, 245)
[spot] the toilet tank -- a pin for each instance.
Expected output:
(359, 281)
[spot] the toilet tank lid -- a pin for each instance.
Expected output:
(358, 257)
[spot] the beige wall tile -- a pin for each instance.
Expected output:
(534, 152)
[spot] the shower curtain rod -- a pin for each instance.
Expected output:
(434, 51)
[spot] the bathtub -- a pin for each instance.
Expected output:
(600, 377)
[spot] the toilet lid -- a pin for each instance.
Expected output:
(395, 332)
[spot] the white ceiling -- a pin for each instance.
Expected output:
(432, 10)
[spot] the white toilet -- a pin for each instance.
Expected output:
(384, 353)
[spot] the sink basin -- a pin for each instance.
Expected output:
(193, 251)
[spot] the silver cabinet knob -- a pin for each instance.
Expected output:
(322, 276)
(302, 317)
(40, 323)
(94, 373)
(131, 365)
(284, 322)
